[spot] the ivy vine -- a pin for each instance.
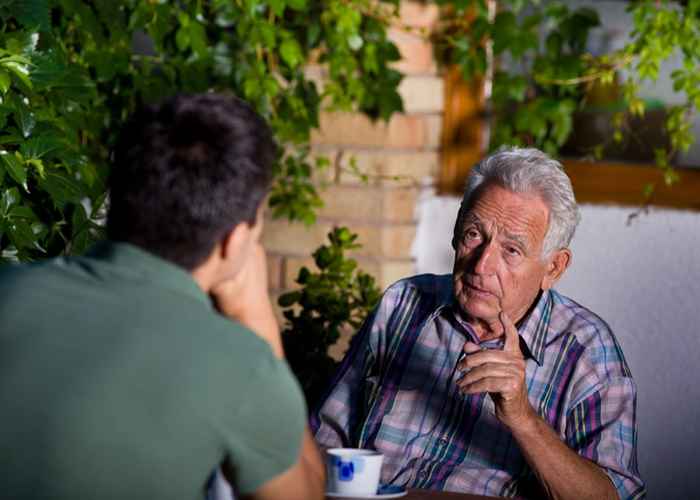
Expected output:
(71, 71)
(535, 52)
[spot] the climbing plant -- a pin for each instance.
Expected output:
(71, 71)
(536, 57)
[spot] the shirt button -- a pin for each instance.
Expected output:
(444, 441)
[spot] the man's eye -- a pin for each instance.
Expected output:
(513, 251)
(471, 234)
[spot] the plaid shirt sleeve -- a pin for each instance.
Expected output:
(341, 416)
(601, 412)
(601, 427)
(337, 421)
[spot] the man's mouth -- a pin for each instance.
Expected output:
(479, 291)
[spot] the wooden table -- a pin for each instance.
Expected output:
(433, 495)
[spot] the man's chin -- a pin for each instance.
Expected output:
(480, 311)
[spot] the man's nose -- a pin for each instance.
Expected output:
(486, 260)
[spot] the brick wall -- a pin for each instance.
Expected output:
(382, 210)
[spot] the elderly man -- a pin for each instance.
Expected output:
(488, 381)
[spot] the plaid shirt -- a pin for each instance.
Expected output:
(395, 392)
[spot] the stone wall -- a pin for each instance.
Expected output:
(381, 211)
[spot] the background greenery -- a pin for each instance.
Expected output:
(71, 71)
(334, 299)
(535, 53)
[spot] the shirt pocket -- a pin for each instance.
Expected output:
(402, 435)
(405, 424)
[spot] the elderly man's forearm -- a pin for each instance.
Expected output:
(562, 473)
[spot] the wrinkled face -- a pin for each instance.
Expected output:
(498, 261)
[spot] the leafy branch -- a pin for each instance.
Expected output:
(334, 299)
(70, 74)
(542, 73)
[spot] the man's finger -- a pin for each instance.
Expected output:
(496, 370)
(512, 343)
(488, 384)
(470, 348)
(488, 356)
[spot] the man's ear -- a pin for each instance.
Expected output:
(234, 243)
(556, 265)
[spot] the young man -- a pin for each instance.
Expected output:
(136, 370)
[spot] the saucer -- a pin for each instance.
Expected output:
(386, 491)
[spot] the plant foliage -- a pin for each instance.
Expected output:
(541, 69)
(71, 71)
(334, 299)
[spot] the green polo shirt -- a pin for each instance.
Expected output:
(119, 380)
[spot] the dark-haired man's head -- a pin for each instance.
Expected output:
(186, 173)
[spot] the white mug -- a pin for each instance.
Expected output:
(352, 471)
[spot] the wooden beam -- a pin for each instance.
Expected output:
(464, 141)
(623, 184)
(463, 134)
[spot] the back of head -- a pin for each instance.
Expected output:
(186, 172)
(528, 171)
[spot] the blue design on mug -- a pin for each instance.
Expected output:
(347, 469)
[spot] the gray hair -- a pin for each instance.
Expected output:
(528, 171)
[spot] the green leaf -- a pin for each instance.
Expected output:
(290, 51)
(556, 10)
(671, 177)
(297, 4)
(518, 88)
(289, 299)
(277, 6)
(37, 147)
(9, 198)
(20, 233)
(587, 16)
(198, 39)
(22, 42)
(25, 119)
(51, 71)
(563, 124)
(33, 13)
(268, 35)
(5, 81)
(251, 88)
(38, 166)
(182, 38)
(554, 44)
(15, 167)
(18, 107)
(505, 29)
(62, 187)
(80, 239)
(323, 257)
(21, 71)
(22, 212)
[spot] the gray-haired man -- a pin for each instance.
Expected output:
(487, 380)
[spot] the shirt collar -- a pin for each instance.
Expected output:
(139, 264)
(532, 328)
